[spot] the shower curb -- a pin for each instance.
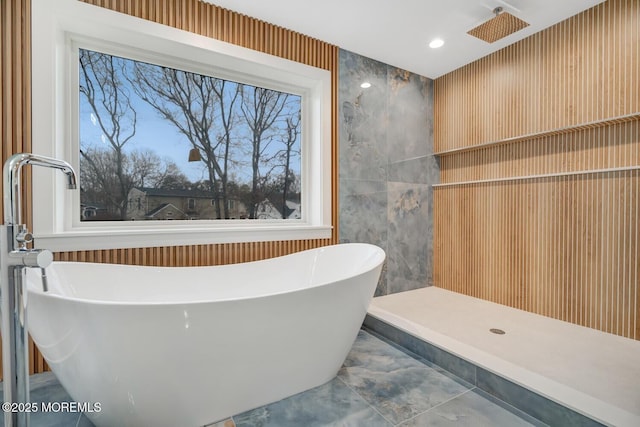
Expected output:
(528, 401)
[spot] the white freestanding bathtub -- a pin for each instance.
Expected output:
(167, 346)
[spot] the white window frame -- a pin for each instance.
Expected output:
(58, 27)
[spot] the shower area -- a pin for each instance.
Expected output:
(527, 220)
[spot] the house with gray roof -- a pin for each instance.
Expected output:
(177, 204)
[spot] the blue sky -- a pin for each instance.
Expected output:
(156, 134)
(152, 133)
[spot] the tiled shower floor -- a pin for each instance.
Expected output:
(379, 385)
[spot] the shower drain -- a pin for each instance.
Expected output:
(497, 331)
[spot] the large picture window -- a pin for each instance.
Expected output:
(177, 138)
(154, 139)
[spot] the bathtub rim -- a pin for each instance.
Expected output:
(377, 252)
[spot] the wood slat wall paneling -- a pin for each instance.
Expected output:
(190, 15)
(518, 220)
(582, 70)
(555, 132)
(15, 101)
(564, 247)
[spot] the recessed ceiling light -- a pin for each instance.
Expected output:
(365, 85)
(436, 43)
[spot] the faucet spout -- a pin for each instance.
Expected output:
(12, 186)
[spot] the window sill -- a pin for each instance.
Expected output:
(106, 238)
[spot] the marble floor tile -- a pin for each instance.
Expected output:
(395, 384)
(332, 404)
(469, 410)
(378, 386)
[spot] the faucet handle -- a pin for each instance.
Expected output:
(37, 258)
(24, 237)
(41, 258)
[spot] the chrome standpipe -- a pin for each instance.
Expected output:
(15, 256)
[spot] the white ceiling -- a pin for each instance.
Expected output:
(398, 32)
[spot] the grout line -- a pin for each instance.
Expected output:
(438, 405)
(495, 400)
(421, 360)
(411, 159)
(365, 401)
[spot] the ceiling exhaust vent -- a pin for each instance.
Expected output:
(498, 27)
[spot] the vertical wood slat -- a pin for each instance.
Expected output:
(190, 15)
(581, 70)
(223, 24)
(584, 149)
(15, 102)
(564, 247)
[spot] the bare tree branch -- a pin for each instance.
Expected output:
(101, 84)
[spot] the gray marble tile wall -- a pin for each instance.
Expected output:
(387, 167)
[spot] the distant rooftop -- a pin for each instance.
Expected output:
(168, 192)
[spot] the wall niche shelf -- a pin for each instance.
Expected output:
(554, 132)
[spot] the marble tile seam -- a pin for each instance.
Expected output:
(407, 421)
(367, 193)
(365, 401)
(355, 179)
(409, 159)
